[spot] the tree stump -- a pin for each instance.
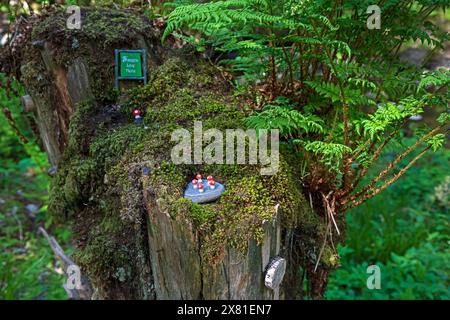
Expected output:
(135, 235)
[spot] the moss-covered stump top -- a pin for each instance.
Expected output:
(101, 31)
(110, 161)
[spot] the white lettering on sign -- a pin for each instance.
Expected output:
(126, 59)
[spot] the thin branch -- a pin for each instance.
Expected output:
(85, 291)
(12, 122)
(374, 157)
(388, 183)
(392, 165)
(57, 250)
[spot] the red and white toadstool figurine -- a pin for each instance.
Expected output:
(137, 116)
(212, 184)
(199, 178)
(195, 183)
(200, 187)
(210, 178)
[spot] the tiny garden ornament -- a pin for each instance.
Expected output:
(137, 116)
(203, 190)
(211, 182)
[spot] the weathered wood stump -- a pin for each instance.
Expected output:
(135, 235)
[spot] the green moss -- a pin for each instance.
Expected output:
(108, 147)
(330, 258)
(202, 214)
(105, 26)
(180, 206)
(103, 30)
(247, 204)
(34, 76)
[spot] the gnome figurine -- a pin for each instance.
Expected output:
(137, 116)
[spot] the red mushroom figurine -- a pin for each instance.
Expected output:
(210, 178)
(199, 178)
(212, 184)
(137, 116)
(194, 183)
(200, 187)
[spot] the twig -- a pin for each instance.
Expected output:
(330, 209)
(369, 195)
(57, 250)
(85, 291)
(14, 126)
(14, 214)
(323, 246)
(392, 165)
(374, 157)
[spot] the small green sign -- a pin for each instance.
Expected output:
(130, 64)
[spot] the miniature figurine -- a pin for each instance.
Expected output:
(203, 190)
(137, 116)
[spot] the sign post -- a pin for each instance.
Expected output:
(130, 65)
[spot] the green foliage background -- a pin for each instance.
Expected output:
(405, 231)
(27, 265)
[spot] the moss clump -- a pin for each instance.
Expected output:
(34, 76)
(102, 31)
(105, 26)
